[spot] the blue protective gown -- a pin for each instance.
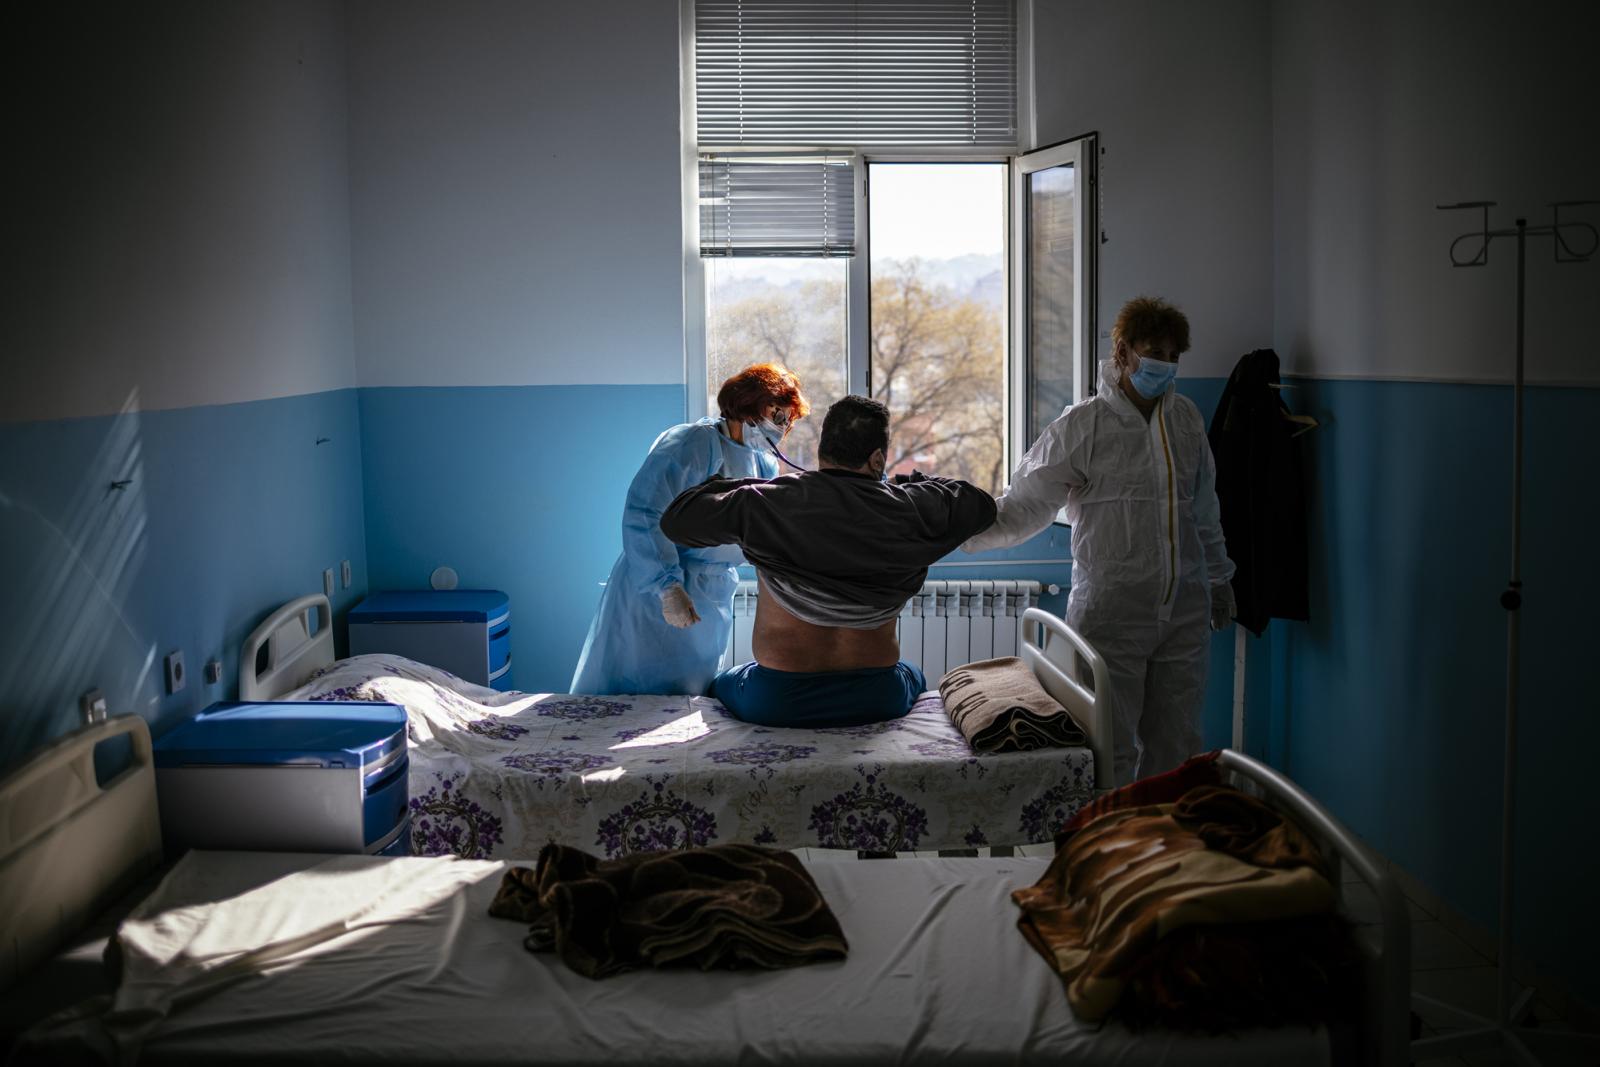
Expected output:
(631, 648)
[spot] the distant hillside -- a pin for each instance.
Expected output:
(981, 277)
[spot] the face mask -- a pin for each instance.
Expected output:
(764, 433)
(1152, 377)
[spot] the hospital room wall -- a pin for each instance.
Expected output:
(182, 324)
(518, 294)
(1180, 95)
(1390, 702)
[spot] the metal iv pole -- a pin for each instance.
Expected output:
(1505, 1029)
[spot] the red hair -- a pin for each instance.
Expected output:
(746, 396)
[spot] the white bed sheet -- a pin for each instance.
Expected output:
(937, 972)
(497, 775)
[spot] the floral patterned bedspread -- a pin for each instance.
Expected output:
(497, 775)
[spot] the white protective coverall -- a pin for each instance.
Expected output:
(1148, 556)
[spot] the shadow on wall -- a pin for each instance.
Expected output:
(71, 579)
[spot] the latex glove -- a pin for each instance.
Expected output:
(1222, 606)
(677, 608)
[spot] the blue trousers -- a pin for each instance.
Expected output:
(766, 697)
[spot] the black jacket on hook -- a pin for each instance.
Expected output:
(1259, 488)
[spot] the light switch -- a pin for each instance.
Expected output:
(344, 574)
(327, 582)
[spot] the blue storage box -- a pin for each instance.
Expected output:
(464, 631)
(295, 776)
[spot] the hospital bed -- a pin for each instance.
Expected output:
(310, 959)
(497, 775)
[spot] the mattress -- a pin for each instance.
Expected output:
(273, 958)
(497, 775)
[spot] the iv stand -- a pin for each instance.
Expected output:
(1503, 1029)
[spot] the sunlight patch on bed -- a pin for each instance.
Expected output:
(610, 774)
(676, 732)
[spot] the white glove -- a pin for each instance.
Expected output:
(677, 608)
(1222, 607)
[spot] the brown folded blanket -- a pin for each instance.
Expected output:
(722, 906)
(999, 706)
(1121, 886)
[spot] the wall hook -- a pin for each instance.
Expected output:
(123, 484)
(323, 440)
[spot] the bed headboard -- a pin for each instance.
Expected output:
(69, 844)
(286, 649)
(1061, 659)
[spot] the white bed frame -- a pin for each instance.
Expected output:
(295, 649)
(1061, 659)
(69, 844)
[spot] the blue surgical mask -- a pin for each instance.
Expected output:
(763, 434)
(1152, 377)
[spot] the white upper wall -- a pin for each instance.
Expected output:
(1180, 94)
(179, 230)
(1383, 110)
(515, 185)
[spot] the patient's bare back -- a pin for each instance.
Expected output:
(784, 643)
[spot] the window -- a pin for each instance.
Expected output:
(937, 308)
(859, 214)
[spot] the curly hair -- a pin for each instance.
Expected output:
(1149, 318)
(746, 396)
(854, 428)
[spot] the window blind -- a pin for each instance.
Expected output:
(915, 73)
(777, 208)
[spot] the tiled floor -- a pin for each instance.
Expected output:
(1446, 967)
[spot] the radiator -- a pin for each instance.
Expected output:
(946, 625)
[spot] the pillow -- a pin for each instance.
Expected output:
(999, 706)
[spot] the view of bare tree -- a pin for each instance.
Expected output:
(937, 360)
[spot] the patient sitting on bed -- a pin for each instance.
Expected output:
(838, 551)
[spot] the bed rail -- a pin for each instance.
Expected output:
(1386, 1033)
(1072, 672)
(294, 650)
(67, 843)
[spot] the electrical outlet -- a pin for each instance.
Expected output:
(344, 574)
(213, 673)
(175, 676)
(327, 582)
(93, 706)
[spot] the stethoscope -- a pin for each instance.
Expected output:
(776, 451)
(786, 459)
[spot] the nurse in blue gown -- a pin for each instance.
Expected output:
(666, 614)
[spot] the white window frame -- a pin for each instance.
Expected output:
(1080, 152)
(858, 293)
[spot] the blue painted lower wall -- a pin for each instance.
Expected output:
(227, 512)
(518, 489)
(1389, 705)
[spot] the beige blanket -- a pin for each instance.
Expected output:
(999, 706)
